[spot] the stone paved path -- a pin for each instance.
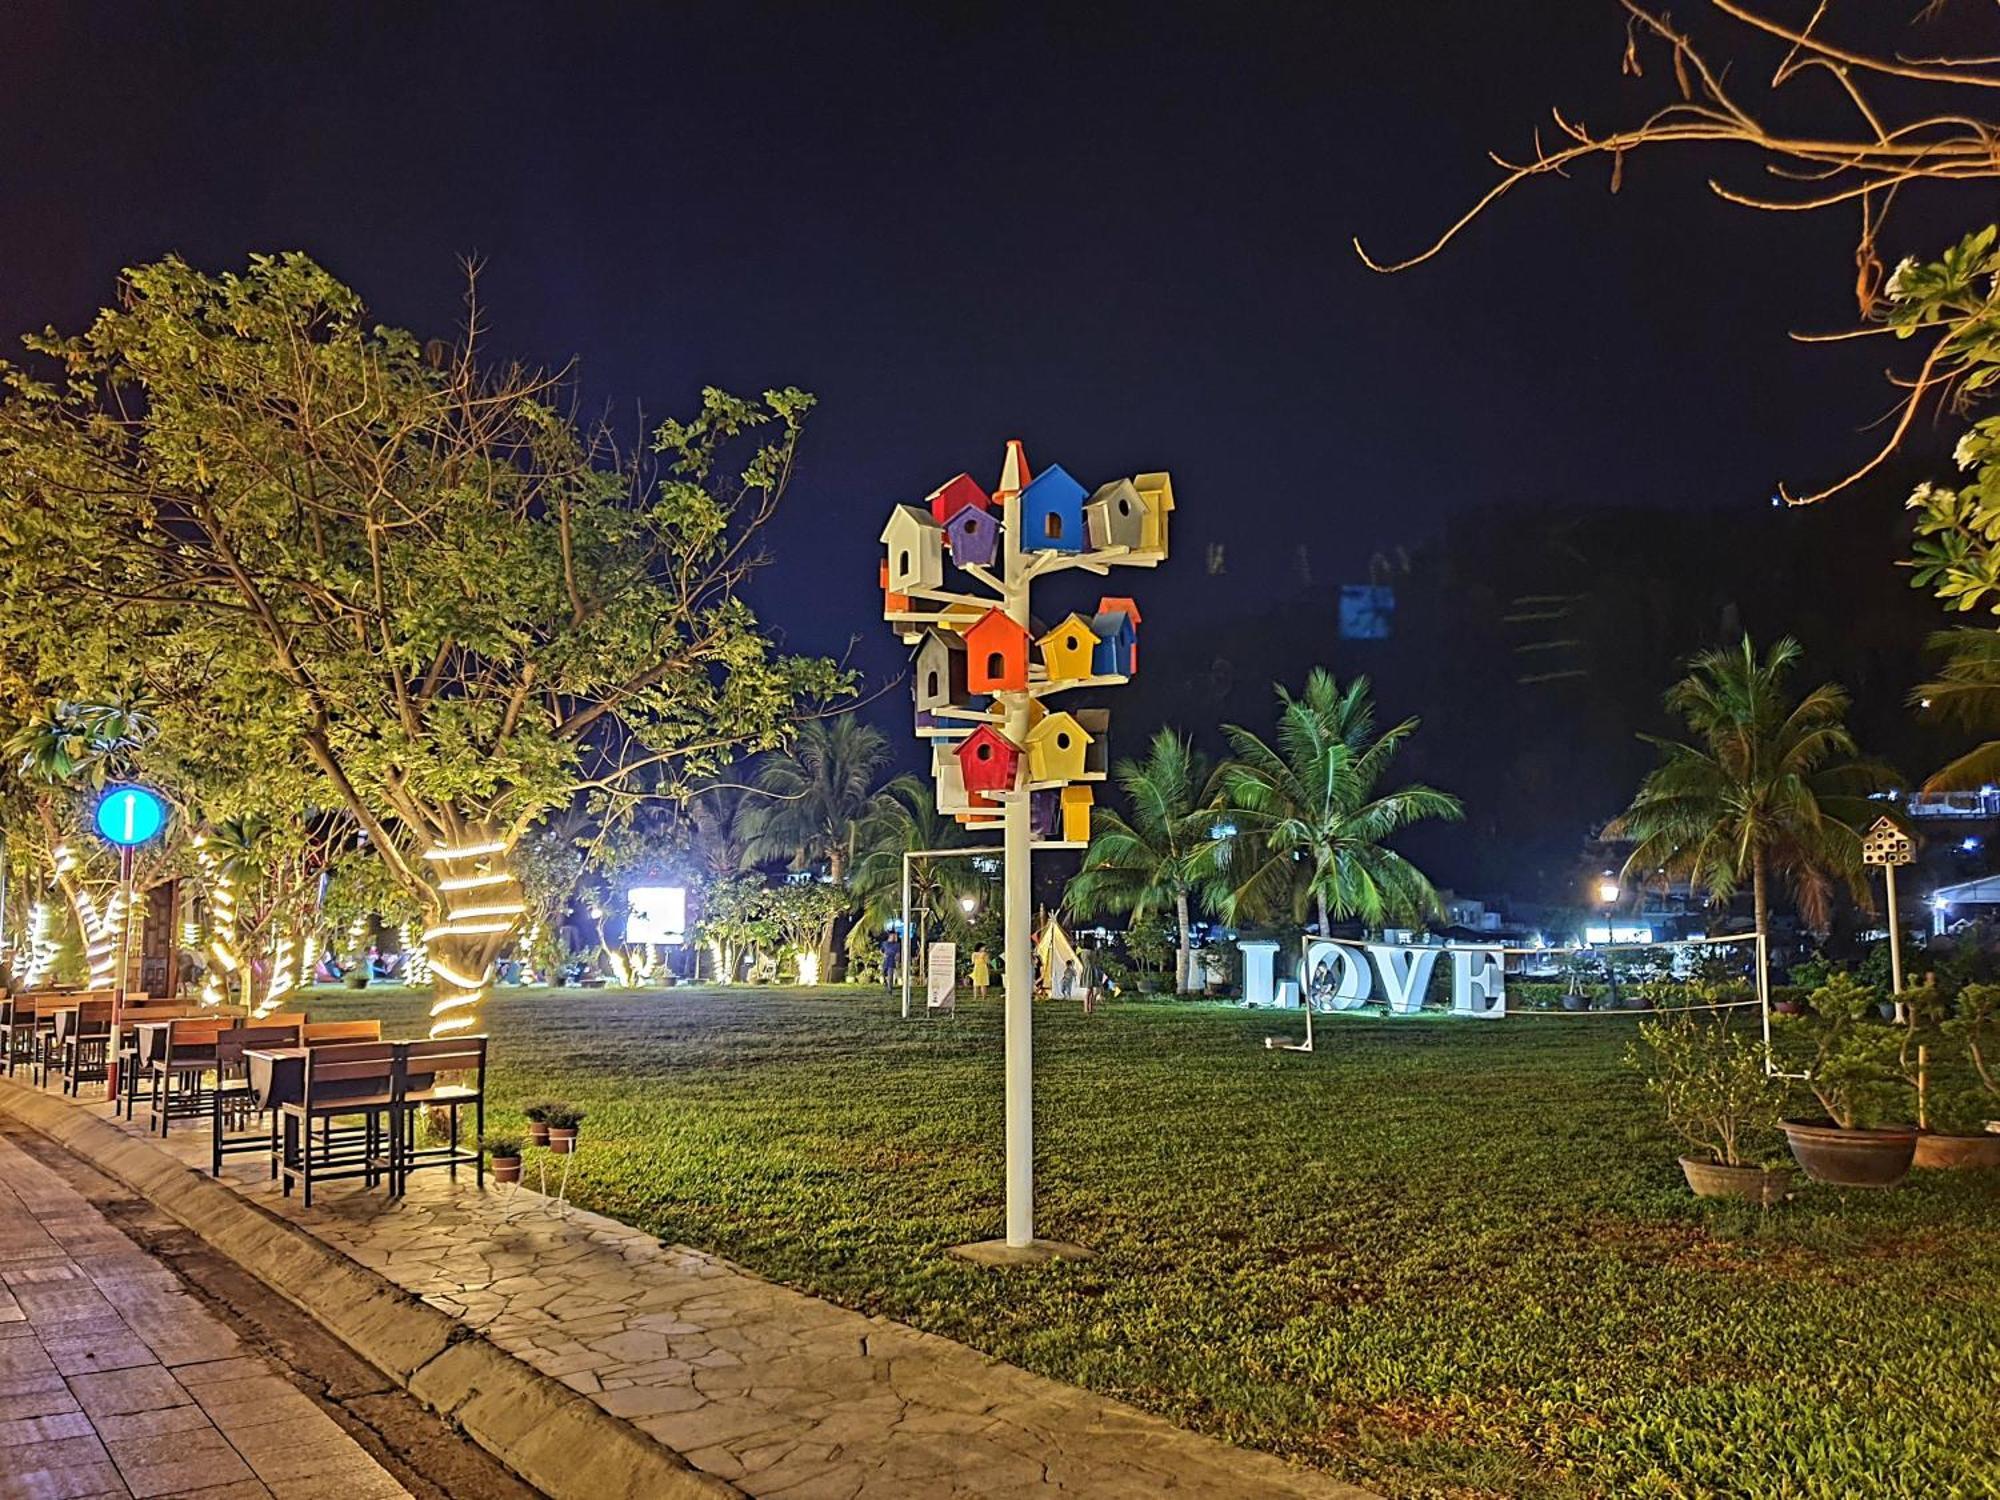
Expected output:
(779, 1394)
(115, 1382)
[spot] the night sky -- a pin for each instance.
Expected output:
(1118, 232)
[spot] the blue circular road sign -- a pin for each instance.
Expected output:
(130, 815)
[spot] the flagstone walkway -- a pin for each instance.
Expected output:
(115, 1382)
(769, 1391)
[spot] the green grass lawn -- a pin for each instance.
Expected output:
(1437, 1257)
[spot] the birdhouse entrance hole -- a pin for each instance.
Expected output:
(996, 664)
(984, 752)
(1052, 526)
(903, 564)
(931, 684)
(1124, 506)
(1062, 739)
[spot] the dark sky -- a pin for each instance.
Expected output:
(1118, 232)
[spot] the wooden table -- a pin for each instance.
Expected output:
(277, 1077)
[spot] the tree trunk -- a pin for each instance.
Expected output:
(836, 867)
(1760, 902)
(1184, 975)
(1325, 927)
(472, 926)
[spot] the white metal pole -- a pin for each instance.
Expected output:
(1016, 838)
(1895, 935)
(903, 937)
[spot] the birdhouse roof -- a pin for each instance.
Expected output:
(1015, 475)
(1052, 487)
(1158, 486)
(936, 640)
(1104, 494)
(1060, 720)
(954, 495)
(905, 516)
(972, 518)
(1064, 624)
(1077, 792)
(1118, 604)
(994, 622)
(986, 732)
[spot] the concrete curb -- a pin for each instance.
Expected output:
(560, 1442)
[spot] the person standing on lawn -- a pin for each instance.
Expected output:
(892, 949)
(982, 972)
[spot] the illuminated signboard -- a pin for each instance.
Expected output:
(656, 914)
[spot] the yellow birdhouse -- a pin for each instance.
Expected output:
(1056, 748)
(1066, 650)
(1076, 802)
(1157, 491)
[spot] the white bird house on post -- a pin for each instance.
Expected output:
(916, 550)
(940, 673)
(1115, 516)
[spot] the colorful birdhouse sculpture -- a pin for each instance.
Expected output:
(1056, 748)
(1117, 653)
(988, 760)
(953, 496)
(996, 655)
(916, 550)
(1157, 490)
(952, 796)
(973, 535)
(1115, 516)
(940, 673)
(1052, 513)
(1076, 802)
(1067, 650)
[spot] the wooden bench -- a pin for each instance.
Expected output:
(79, 1045)
(325, 1033)
(441, 1077)
(230, 1100)
(178, 1075)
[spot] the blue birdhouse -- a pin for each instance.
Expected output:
(1052, 513)
(1117, 644)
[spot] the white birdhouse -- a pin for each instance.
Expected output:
(916, 549)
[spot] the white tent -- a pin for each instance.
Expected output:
(1058, 970)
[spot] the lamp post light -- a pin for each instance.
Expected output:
(1607, 897)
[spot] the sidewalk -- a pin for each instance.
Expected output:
(115, 1382)
(761, 1390)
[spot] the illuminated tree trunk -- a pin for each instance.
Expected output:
(1184, 961)
(478, 905)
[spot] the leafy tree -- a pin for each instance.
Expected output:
(903, 820)
(1158, 856)
(817, 789)
(735, 921)
(1770, 785)
(397, 564)
(800, 914)
(1310, 822)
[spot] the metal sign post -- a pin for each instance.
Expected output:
(127, 816)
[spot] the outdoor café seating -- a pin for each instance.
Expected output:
(79, 1045)
(182, 1058)
(30, 1018)
(231, 1100)
(439, 1078)
(344, 1080)
(131, 1046)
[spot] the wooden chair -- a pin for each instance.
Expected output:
(354, 1079)
(179, 1075)
(82, 1044)
(441, 1077)
(132, 1068)
(230, 1099)
(325, 1033)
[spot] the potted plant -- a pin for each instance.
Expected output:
(537, 1113)
(1716, 1096)
(503, 1155)
(1955, 1076)
(1851, 1072)
(562, 1120)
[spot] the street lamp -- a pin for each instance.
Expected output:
(968, 904)
(1607, 896)
(1607, 890)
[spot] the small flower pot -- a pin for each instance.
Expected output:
(1939, 1151)
(505, 1168)
(1789, 1007)
(538, 1133)
(1851, 1158)
(561, 1141)
(1709, 1179)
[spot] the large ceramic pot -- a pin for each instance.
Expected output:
(562, 1141)
(538, 1133)
(1935, 1149)
(505, 1168)
(1851, 1158)
(1711, 1179)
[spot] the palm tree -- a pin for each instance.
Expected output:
(1770, 786)
(821, 786)
(1309, 823)
(1160, 855)
(903, 819)
(1967, 690)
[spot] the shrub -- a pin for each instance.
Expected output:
(561, 1115)
(1711, 1084)
(498, 1146)
(537, 1110)
(356, 978)
(1851, 1069)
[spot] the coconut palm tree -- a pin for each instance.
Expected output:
(1157, 857)
(1768, 784)
(1967, 691)
(904, 819)
(1309, 821)
(817, 789)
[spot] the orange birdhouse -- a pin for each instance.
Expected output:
(996, 655)
(988, 760)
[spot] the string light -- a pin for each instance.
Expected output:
(501, 909)
(471, 882)
(467, 851)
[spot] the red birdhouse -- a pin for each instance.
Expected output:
(988, 760)
(951, 497)
(996, 655)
